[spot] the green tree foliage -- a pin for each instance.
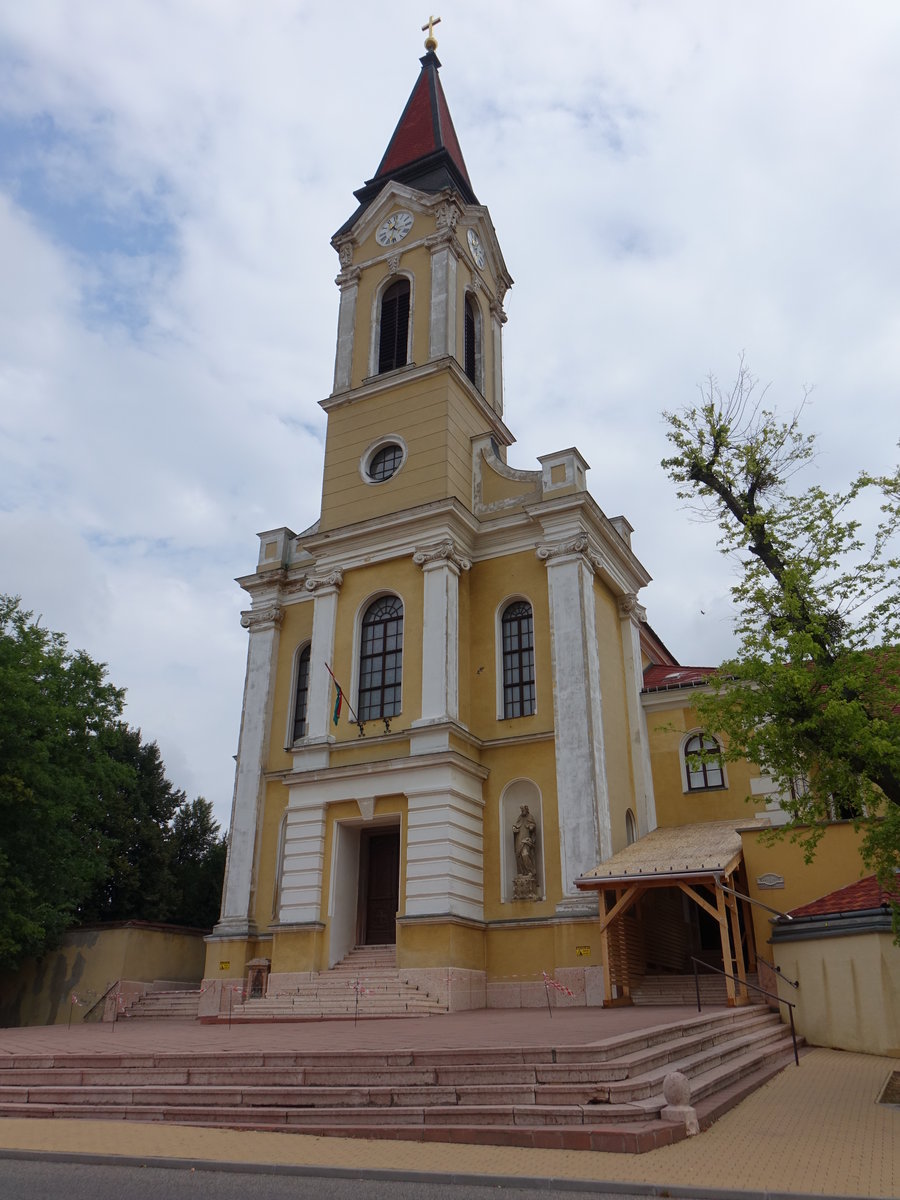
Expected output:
(813, 693)
(90, 828)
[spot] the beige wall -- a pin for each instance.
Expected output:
(835, 864)
(849, 994)
(666, 729)
(89, 961)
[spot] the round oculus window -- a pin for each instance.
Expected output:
(385, 462)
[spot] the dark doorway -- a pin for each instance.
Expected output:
(380, 886)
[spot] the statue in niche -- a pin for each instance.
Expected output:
(525, 885)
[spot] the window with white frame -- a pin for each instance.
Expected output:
(517, 659)
(301, 694)
(703, 765)
(381, 659)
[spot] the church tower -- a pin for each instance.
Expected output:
(442, 727)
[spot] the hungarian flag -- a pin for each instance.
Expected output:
(338, 702)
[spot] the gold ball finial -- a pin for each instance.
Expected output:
(431, 40)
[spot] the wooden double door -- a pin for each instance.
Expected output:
(379, 878)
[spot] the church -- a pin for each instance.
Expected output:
(460, 736)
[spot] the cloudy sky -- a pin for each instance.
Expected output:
(672, 183)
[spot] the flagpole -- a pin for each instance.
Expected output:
(356, 720)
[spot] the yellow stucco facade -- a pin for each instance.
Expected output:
(480, 624)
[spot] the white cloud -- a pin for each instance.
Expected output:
(671, 184)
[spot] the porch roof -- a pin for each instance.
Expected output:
(666, 855)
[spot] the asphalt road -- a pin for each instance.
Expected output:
(29, 1179)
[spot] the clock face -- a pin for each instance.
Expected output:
(476, 248)
(394, 228)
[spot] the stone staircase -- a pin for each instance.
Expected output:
(681, 989)
(365, 983)
(163, 1006)
(605, 1095)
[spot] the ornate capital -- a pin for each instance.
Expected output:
(630, 607)
(575, 545)
(259, 619)
(349, 277)
(332, 580)
(497, 312)
(446, 552)
(447, 215)
(345, 253)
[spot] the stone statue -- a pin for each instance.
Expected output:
(525, 886)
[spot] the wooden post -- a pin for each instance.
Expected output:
(738, 949)
(604, 952)
(726, 946)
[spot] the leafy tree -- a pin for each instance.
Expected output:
(813, 693)
(90, 827)
(55, 708)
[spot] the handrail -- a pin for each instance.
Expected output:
(750, 900)
(88, 1012)
(777, 970)
(746, 983)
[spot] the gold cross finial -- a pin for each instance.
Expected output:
(431, 40)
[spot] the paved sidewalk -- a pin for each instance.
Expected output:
(816, 1130)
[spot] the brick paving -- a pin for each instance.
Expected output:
(816, 1130)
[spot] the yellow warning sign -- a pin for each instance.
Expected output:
(582, 952)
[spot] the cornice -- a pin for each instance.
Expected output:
(414, 373)
(395, 535)
(405, 765)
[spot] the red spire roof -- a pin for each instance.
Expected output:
(425, 126)
(424, 151)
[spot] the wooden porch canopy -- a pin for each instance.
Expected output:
(686, 857)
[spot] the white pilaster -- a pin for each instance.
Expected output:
(304, 860)
(442, 334)
(348, 281)
(256, 719)
(445, 853)
(318, 708)
(581, 787)
(498, 317)
(630, 614)
(441, 566)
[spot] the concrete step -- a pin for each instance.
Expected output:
(616, 1084)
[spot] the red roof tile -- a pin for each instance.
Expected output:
(855, 897)
(660, 678)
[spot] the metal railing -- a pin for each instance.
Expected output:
(750, 900)
(746, 983)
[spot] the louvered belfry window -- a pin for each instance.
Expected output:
(517, 626)
(469, 339)
(381, 659)
(394, 326)
(301, 695)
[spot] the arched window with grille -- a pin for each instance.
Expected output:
(394, 326)
(517, 635)
(473, 364)
(301, 694)
(381, 659)
(703, 765)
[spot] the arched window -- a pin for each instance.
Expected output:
(703, 763)
(381, 659)
(301, 694)
(630, 827)
(394, 327)
(470, 338)
(517, 631)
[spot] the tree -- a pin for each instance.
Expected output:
(55, 708)
(90, 827)
(813, 693)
